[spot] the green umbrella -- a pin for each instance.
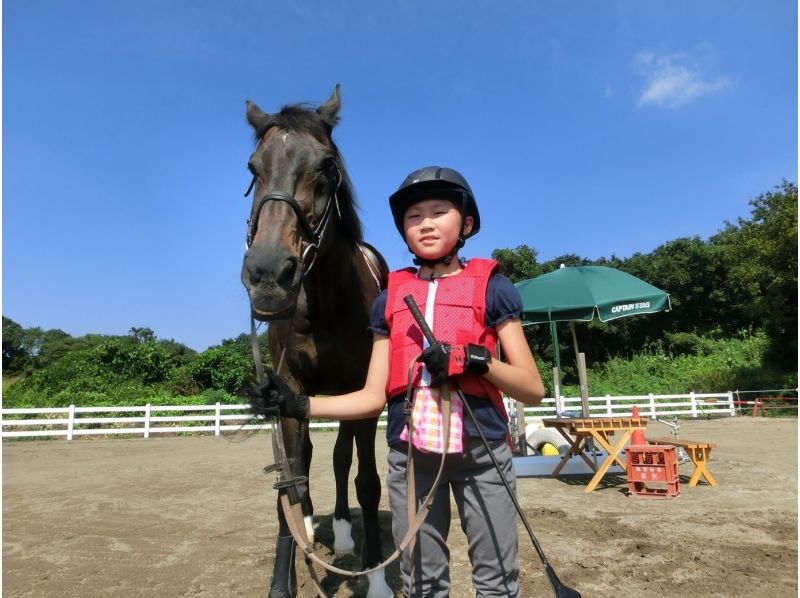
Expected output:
(583, 293)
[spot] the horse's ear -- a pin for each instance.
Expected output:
(329, 110)
(256, 117)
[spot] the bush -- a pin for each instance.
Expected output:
(717, 365)
(221, 368)
(119, 371)
(216, 395)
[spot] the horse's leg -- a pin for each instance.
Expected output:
(342, 460)
(368, 492)
(284, 579)
(305, 496)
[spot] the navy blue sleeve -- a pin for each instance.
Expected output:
(377, 317)
(503, 301)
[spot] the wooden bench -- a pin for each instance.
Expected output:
(698, 452)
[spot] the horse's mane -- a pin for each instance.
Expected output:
(303, 118)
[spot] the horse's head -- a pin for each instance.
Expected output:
(302, 202)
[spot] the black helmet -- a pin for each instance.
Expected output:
(435, 182)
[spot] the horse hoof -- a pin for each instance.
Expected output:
(280, 593)
(343, 541)
(378, 587)
(309, 521)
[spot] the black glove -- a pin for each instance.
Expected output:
(273, 398)
(445, 361)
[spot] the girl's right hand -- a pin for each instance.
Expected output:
(274, 398)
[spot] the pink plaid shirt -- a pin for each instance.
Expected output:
(426, 416)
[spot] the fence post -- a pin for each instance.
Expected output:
(609, 409)
(694, 404)
(217, 421)
(71, 422)
(652, 405)
(147, 420)
(731, 406)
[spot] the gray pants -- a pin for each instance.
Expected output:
(487, 514)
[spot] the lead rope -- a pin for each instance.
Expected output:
(291, 508)
(411, 491)
(292, 511)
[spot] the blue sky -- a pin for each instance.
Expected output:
(593, 128)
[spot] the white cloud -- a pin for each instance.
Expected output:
(672, 81)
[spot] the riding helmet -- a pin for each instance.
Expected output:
(435, 182)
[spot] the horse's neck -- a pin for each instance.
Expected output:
(331, 322)
(340, 283)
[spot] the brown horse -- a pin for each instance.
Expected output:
(309, 274)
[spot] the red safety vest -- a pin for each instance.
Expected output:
(458, 318)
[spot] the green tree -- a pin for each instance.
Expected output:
(15, 357)
(694, 276)
(223, 367)
(761, 254)
(179, 353)
(518, 264)
(141, 335)
(53, 345)
(568, 259)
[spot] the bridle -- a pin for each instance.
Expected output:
(314, 237)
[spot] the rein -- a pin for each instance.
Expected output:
(290, 500)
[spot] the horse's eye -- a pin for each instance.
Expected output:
(331, 170)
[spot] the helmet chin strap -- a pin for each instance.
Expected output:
(445, 259)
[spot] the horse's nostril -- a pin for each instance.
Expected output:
(254, 274)
(286, 275)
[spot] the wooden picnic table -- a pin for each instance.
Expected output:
(578, 431)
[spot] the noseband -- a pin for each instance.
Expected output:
(314, 236)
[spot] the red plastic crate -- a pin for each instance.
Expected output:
(653, 464)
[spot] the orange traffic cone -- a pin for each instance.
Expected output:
(638, 435)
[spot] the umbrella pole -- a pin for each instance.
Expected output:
(580, 358)
(557, 362)
(585, 401)
(584, 385)
(574, 338)
(519, 420)
(559, 407)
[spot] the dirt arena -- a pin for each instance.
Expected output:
(195, 516)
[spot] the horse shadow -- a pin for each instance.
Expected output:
(332, 582)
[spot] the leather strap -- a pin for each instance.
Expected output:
(289, 500)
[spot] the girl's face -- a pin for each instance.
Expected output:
(432, 228)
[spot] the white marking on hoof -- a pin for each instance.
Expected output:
(378, 587)
(309, 521)
(342, 537)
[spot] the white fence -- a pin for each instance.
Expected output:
(652, 406)
(146, 420)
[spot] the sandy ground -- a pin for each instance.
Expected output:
(195, 516)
